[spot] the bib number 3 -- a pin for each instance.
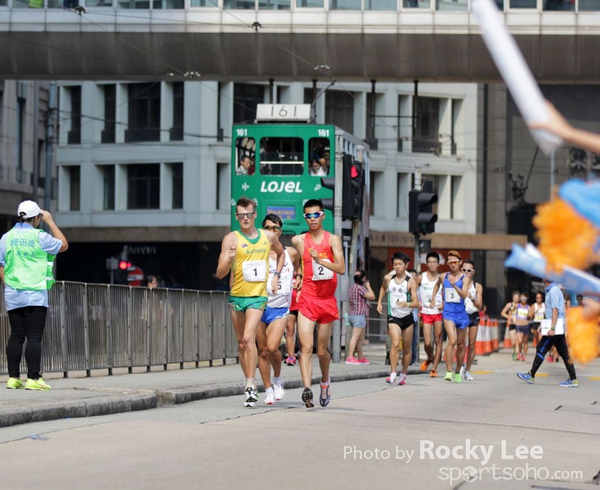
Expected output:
(452, 296)
(254, 271)
(320, 272)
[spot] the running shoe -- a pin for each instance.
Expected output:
(251, 397)
(514, 356)
(433, 373)
(448, 376)
(468, 376)
(457, 378)
(402, 378)
(37, 384)
(522, 358)
(278, 390)
(391, 378)
(353, 360)
(290, 361)
(364, 361)
(269, 397)
(528, 378)
(324, 397)
(307, 398)
(550, 359)
(14, 384)
(463, 368)
(519, 356)
(570, 383)
(425, 365)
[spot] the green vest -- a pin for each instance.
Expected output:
(27, 265)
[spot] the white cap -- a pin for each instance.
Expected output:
(29, 209)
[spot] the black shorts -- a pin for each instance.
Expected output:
(511, 327)
(534, 326)
(474, 319)
(403, 323)
(524, 329)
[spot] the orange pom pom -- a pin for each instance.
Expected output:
(565, 237)
(583, 334)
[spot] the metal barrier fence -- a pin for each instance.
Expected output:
(100, 326)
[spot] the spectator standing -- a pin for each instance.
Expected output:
(26, 257)
(359, 294)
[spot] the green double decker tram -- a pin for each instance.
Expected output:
(279, 162)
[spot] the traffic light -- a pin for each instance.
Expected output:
(421, 218)
(328, 183)
(124, 264)
(353, 188)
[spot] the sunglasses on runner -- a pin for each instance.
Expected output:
(245, 215)
(451, 262)
(272, 228)
(468, 270)
(316, 215)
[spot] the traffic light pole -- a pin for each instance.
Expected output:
(336, 341)
(417, 256)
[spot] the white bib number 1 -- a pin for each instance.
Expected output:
(320, 272)
(254, 270)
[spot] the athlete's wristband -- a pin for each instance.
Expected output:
(278, 274)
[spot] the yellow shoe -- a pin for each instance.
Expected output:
(37, 384)
(14, 384)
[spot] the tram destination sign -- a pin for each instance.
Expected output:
(283, 112)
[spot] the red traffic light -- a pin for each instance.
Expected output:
(123, 264)
(354, 172)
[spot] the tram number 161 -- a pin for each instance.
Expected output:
(323, 133)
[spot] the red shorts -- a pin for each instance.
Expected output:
(431, 319)
(319, 310)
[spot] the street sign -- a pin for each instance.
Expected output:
(112, 264)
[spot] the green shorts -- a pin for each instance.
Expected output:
(243, 303)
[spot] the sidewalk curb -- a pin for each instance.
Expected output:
(112, 404)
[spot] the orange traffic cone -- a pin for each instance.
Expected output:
(507, 341)
(479, 346)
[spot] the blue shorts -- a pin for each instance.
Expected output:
(357, 321)
(460, 318)
(272, 314)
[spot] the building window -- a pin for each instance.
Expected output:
(168, 4)
(381, 4)
(177, 190)
(239, 4)
(426, 130)
(309, 3)
(74, 188)
(245, 99)
(437, 186)
(456, 208)
(345, 4)
(108, 195)
(222, 186)
(403, 187)
(202, 3)
(274, 4)
(143, 186)
(110, 113)
(144, 112)
(376, 193)
(339, 110)
(177, 129)
(74, 136)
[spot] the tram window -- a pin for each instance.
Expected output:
(245, 150)
(319, 157)
(281, 156)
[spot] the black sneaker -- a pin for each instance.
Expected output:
(307, 398)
